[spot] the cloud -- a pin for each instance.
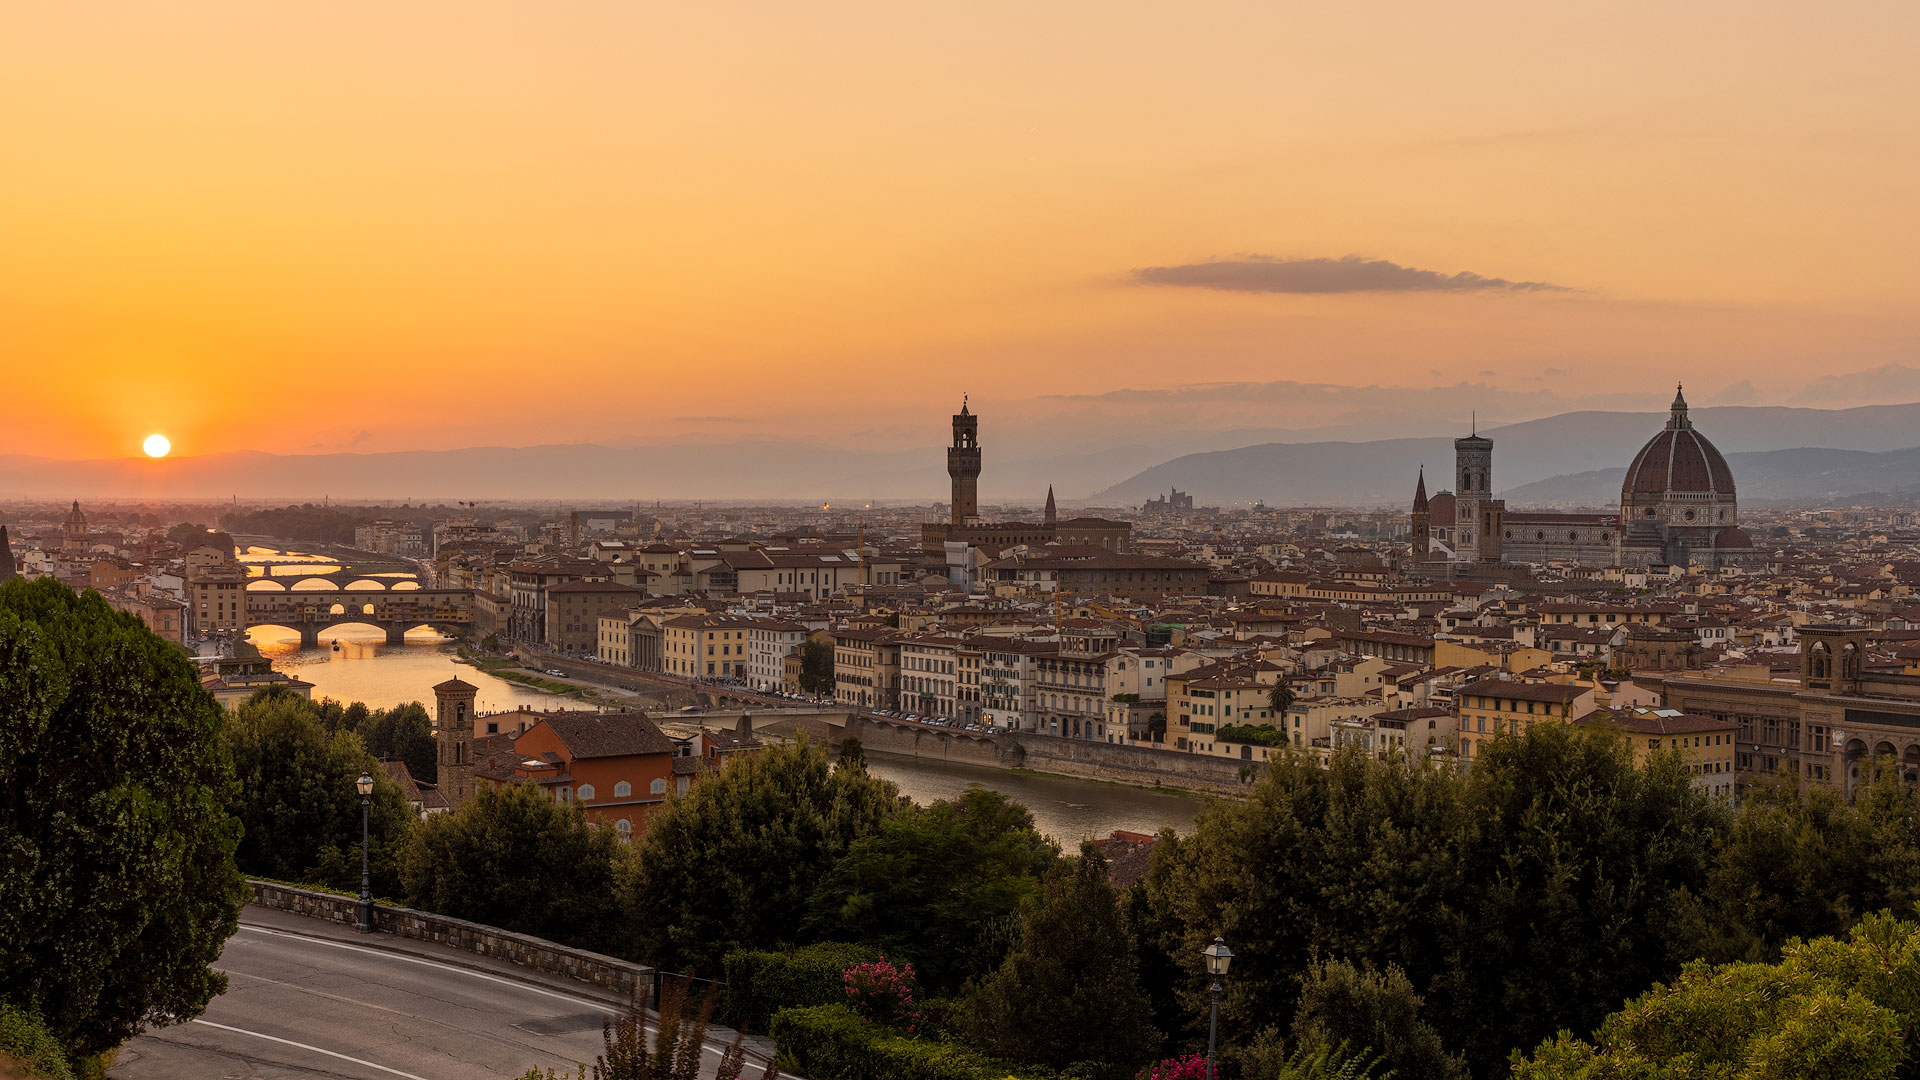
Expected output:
(1886, 383)
(713, 419)
(1267, 274)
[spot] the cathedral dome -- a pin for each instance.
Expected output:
(1678, 459)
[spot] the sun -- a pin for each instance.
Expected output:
(156, 446)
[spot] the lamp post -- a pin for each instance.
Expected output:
(1219, 957)
(364, 786)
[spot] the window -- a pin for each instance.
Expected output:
(658, 787)
(624, 828)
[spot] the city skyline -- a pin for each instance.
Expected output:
(258, 229)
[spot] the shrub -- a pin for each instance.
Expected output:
(761, 983)
(1191, 1067)
(1258, 734)
(883, 994)
(26, 1040)
(830, 1042)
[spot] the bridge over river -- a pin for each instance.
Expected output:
(313, 611)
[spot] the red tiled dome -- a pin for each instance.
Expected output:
(1732, 538)
(1678, 459)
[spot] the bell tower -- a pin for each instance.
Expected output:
(963, 465)
(453, 730)
(1422, 524)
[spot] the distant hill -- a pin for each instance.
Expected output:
(1553, 449)
(1797, 476)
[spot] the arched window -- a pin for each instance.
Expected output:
(659, 786)
(586, 792)
(624, 828)
(622, 790)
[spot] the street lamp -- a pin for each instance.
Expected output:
(364, 786)
(1219, 957)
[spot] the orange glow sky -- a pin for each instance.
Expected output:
(400, 224)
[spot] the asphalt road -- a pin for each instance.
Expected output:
(307, 998)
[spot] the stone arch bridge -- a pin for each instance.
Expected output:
(314, 611)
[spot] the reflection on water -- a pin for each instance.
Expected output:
(1066, 810)
(404, 672)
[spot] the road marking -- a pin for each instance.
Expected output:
(714, 1048)
(315, 1049)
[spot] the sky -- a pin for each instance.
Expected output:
(399, 225)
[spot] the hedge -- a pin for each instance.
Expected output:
(831, 1042)
(760, 983)
(25, 1040)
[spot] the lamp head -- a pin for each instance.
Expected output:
(1219, 958)
(364, 785)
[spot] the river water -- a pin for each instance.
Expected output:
(354, 663)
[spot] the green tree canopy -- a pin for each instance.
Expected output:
(403, 733)
(297, 800)
(1375, 1013)
(1839, 1010)
(1806, 862)
(731, 864)
(117, 877)
(936, 886)
(1535, 892)
(816, 667)
(1067, 992)
(516, 859)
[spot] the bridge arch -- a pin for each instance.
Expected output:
(313, 584)
(365, 584)
(271, 585)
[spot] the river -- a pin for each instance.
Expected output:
(355, 663)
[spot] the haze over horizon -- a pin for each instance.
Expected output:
(265, 228)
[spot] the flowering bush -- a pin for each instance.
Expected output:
(1191, 1067)
(882, 993)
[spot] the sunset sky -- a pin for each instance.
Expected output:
(396, 225)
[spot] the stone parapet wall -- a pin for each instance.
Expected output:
(1139, 765)
(521, 950)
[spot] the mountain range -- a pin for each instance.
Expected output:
(1559, 460)
(1573, 458)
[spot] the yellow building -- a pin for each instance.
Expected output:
(1492, 707)
(1704, 743)
(705, 646)
(217, 600)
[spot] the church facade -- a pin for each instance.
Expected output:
(1677, 507)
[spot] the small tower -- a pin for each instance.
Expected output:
(1053, 515)
(963, 465)
(74, 531)
(1422, 526)
(1832, 656)
(453, 723)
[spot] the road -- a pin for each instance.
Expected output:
(308, 998)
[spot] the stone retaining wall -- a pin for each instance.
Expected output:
(521, 950)
(1137, 765)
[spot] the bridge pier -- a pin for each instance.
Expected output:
(309, 637)
(396, 635)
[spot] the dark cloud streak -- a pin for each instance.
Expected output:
(1267, 274)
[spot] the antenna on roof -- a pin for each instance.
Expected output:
(1474, 423)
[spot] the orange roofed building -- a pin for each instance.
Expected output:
(617, 766)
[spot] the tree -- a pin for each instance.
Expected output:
(1801, 863)
(1345, 1006)
(935, 886)
(1281, 697)
(117, 878)
(1574, 866)
(297, 799)
(816, 667)
(404, 734)
(731, 863)
(187, 534)
(1848, 1010)
(516, 859)
(1067, 993)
